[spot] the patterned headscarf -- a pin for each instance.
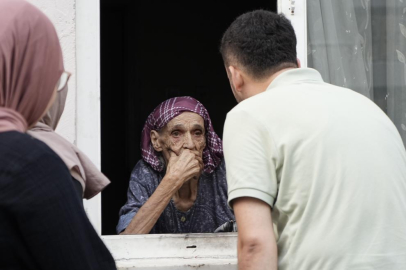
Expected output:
(165, 112)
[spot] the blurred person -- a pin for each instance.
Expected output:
(322, 162)
(180, 185)
(42, 223)
(87, 179)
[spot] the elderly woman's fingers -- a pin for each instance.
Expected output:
(185, 166)
(172, 158)
(172, 155)
(201, 164)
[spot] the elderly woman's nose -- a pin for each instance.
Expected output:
(188, 142)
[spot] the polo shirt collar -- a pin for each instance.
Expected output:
(296, 75)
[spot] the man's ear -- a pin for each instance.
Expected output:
(237, 78)
(155, 141)
(298, 63)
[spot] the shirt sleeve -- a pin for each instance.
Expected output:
(137, 196)
(251, 159)
(51, 220)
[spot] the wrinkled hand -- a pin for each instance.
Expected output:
(185, 166)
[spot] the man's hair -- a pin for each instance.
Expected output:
(261, 41)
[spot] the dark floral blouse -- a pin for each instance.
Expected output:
(209, 211)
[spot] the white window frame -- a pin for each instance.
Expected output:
(183, 251)
(295, 11)
(88, 135)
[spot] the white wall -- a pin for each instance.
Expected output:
(77, 24)
(62, 13)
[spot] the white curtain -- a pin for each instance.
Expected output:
(361, 45)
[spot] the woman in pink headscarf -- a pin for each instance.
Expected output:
(42, 224)
(87, 179)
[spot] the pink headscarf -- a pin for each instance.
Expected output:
(165, 112)
(30, 64)
(80, 166)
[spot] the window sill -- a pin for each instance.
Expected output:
(174, 251)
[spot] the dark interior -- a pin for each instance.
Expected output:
(152, 51)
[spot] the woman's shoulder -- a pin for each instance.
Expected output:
(144, 173)
(143, 166)
(218, 176)
(22, 148)
(219, 171)
(28, 159)
(221, 168)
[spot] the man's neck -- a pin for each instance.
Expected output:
(257, 87)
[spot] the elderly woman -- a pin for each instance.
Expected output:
(179, 186)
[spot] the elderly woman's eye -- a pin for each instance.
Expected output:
(176, 133)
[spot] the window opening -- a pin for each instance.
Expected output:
(152, 51)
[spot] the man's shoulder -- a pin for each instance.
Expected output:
(250, 106)
(252, 111)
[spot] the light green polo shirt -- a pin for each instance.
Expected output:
(331, 165)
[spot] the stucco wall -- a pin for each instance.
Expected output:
(77, 22)
(62, 14)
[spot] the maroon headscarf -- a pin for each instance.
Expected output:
(165, 112)
(30, 64)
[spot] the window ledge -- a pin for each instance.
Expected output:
(174, 251)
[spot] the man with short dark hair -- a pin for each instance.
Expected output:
(321, 162)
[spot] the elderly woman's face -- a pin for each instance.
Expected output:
(186, 131)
